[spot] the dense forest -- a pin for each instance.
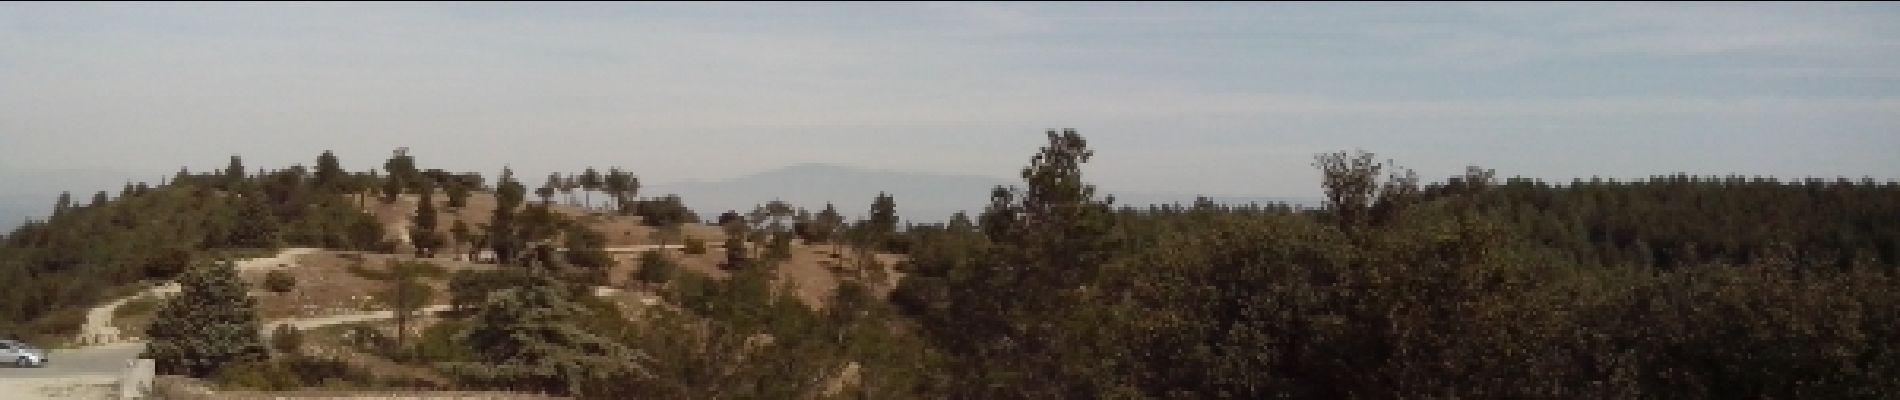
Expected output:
(1474, 286)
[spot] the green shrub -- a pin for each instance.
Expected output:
(292, 373)
(441, 343)
(286, 339)
(655, 269)
(279, 281)
(268, 376)
(695, 246)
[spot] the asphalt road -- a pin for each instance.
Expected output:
(87, 373)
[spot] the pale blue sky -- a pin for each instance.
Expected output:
(1229, 98)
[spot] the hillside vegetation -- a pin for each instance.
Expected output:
(1474, 286)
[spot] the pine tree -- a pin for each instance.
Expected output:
(882, 223)
(831, 223)
(567, 188)
(529, 339)
(330, 177)
(501, 228)
(64, 203)
(211, 323)
(392, 187)
(425, 236)
(461, 234)
(735, 251)
(233, 174)
(589, 181)
(406, 293)
(458, 192)
(546, 191)
(254, 227)
(403, 167)
(1053, 236)
(615, 184)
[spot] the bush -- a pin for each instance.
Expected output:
(291, 373)
(279, 281)
(257, 375)
(655, 269)
(440, 343)
(286, 339)
(695, 246)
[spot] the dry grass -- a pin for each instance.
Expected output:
(812, 269)
(327, 343)
(325, 286)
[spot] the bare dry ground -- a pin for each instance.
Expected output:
(325, 285)
(813, 268)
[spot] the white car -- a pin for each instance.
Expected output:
(22, 354)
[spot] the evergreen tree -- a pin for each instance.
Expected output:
(546, 191)
(392, 187)
(211, 323)
(501, 228)
(458, 192)
(406, 292)
(655, 269)
(330, 176)
(254, 227)
(1056, 236)
(589, 182)
(402, 167)
(568, 185)
(832, 224)
(233, 174)
(529, 338)
(664, 210)
(425, 235)
(587, 249)
(615, 185)
(461, 234)
(735, 252)
(624, 187)
(65, 202)
(881, 225)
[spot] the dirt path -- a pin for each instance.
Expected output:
(98, 329)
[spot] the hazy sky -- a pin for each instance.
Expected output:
(1201, 98)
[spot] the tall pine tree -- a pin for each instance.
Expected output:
(211, 323)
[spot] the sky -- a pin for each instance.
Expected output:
(1228, 98)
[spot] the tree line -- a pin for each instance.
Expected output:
(1671, 287)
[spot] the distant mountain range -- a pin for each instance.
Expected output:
(921, 197)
